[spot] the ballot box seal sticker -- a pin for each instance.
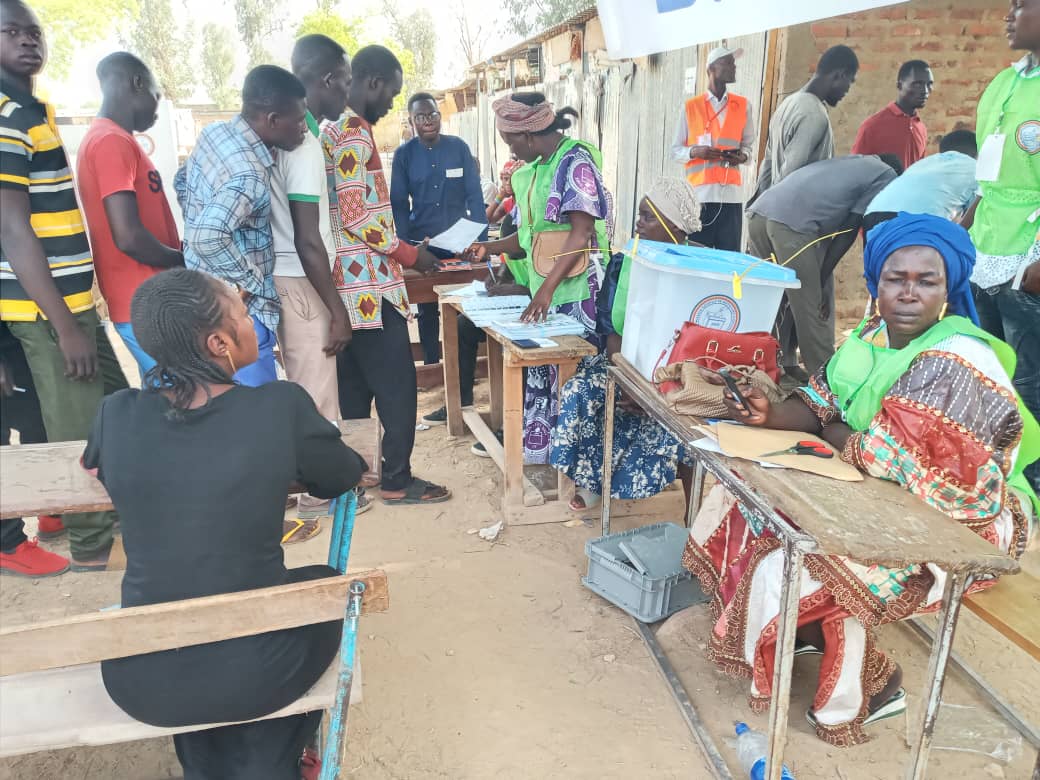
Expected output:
(717, 311)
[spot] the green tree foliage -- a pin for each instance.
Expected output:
(324, 21)
(165, 46)
(529, 17)
(417, 34)
(71, 24)
(256, 20)
(218, 65)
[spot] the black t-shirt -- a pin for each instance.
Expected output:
(201, 495)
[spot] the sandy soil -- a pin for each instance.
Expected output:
(495, 661)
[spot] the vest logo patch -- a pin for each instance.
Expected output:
(1028, 136)
(717, 311)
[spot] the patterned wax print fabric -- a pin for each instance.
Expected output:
(948, 431)
(577, 186)
(645, 455)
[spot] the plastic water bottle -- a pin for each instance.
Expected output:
(752, 748)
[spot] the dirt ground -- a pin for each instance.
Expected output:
(495, 662)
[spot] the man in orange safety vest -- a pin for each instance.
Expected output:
(714, 138)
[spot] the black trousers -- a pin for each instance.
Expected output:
(20, 412)
(470, 338)
(378, 365)
(721, 226)
(429, 318)
(237, 679)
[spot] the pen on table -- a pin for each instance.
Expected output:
(18, 389)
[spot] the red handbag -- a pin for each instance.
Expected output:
(714, 349)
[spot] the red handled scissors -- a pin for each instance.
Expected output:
(813, 448)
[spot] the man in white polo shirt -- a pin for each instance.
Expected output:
(314, 325)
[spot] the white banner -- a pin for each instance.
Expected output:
(635, 28)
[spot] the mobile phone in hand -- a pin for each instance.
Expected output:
(731, 385)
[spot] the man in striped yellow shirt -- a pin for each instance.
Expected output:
(46, 271)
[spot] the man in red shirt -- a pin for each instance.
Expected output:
(132, 231)
(897, 129)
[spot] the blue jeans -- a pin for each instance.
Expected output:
(126, 333)
(263, 370)
(1013, 316)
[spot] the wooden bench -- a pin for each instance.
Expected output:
(1012, 607)
(51, 692)
(47, 479)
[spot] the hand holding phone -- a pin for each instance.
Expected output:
(733, 388)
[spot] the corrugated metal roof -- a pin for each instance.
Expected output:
(579, 18)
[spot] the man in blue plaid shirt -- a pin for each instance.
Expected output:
(223, 189)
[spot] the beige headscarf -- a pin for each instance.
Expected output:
(677, 202)
(512, 116)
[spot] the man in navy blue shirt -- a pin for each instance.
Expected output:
(434, 184)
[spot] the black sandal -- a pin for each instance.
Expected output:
(415, 492)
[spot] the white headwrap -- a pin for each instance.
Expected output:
(677, 202)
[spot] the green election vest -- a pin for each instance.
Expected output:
(861, 374)
(617, 311)
(531, 185)
(1010, 105)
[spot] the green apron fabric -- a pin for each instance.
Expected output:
(617, 311)
(861, 374)
(1010, 105)
(531, 185)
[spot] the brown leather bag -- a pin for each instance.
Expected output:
(547, 247)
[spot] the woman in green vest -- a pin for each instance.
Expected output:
(646, 457)
(918, 395)
(558, 190)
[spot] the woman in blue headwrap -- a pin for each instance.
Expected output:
(920, 396)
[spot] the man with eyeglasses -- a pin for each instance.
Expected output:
(435, 182)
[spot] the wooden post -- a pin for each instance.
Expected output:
(452, 391)
(494, 352)
(513, 435)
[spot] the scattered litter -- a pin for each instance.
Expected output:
(972, 730)
(449, 652)
(610, 658)
(491, 532)
(422, 427)
(472, 531)
(573, 523)
(371, 636)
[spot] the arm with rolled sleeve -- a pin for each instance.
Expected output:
(356, 217)
(680, 151)
(211, 235)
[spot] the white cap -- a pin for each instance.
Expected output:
(721, 51)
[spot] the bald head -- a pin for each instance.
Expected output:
(131, 96)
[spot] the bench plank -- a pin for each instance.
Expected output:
(40, 479)
(84, 639)
(1012, 607)
(69, 707)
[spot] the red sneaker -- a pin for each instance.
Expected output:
(31, 560)
(310, 765)
(50, 527)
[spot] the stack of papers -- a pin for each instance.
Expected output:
(554, 325)
(483, 310)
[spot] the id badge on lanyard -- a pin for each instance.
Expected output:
(991, 154)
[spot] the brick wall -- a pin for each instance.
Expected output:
(962, 40)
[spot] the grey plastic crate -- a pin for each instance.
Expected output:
(666, 587)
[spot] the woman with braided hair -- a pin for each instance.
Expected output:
(198, 468)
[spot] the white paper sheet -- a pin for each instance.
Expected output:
(459, 236)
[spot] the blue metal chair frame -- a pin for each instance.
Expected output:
(343, 511)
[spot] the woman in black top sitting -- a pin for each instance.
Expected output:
(198, 469)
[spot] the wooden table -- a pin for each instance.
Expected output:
(873, 522)
(42, 479)
(506, 362)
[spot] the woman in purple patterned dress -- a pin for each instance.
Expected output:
(559, 189)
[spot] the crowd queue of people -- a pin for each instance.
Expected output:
(294, 237)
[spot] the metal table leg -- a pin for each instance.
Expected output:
(696, 492)
(783, 666)
(952, 594)
(608, 451)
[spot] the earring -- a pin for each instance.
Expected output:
(942, 311)
(877, 309)
(232, 362)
